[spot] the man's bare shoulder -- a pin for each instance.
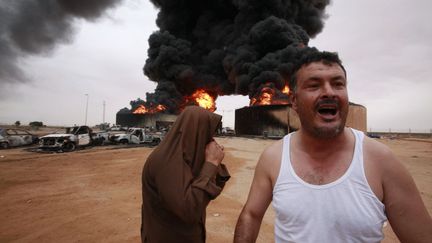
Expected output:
(272, 152)
(270, 160)
(378, 153)
(380, 161)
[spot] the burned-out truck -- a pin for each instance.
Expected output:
(135, 135)
(72, 138)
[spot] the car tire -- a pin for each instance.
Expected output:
(124, 141)
(68, 147)
(4, 145)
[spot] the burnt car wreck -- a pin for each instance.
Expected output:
(12, 137)
(71, 139)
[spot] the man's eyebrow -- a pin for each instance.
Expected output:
(313, 78)
(338, 77)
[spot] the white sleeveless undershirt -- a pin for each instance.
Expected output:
(345, 210)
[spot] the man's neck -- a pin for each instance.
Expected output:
(317, 147)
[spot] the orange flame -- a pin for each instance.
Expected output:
(265, 98)
(143, 110)
(203, 99)
(271, 96)
(286, 89)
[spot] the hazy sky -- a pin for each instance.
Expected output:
(385, 47)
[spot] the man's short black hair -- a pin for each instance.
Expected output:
(309, 55)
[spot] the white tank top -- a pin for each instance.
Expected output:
(345, 210)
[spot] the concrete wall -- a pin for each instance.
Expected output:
(401, 135)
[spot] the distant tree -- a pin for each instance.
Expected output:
(17, 123)
(103, 126)
(36, 124)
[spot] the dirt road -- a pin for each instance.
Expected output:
(94, 195)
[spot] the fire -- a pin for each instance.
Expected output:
(143, 110)
(265, 97)
(286, 89)
(199, 97)
(269, 95)
(203, 99)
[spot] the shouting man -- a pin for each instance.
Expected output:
(330, 183)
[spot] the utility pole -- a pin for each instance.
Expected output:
(103, 115)
(86, 110)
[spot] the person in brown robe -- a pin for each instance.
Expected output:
(180, 177)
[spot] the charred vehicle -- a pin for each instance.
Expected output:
(227, 131)
(137, 136)
(73, 137)
(11, 137)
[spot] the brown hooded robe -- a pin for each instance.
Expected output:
(177, 183)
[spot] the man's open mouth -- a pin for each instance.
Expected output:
(327, 108)
(327, 111)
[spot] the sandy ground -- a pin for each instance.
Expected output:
(94, 194)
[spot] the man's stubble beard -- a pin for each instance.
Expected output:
(327, 132)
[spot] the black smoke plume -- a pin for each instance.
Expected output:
(33, 27)
(227, 46)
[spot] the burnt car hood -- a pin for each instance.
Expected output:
(57, 135)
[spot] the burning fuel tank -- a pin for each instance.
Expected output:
(126, 118)
(264, 120)
(274, 121)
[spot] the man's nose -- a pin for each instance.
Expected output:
(328, 90)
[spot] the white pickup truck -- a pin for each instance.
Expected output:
(136, 136)
(73, 137)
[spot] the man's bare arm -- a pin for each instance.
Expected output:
(404, 207)
(260, 196)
